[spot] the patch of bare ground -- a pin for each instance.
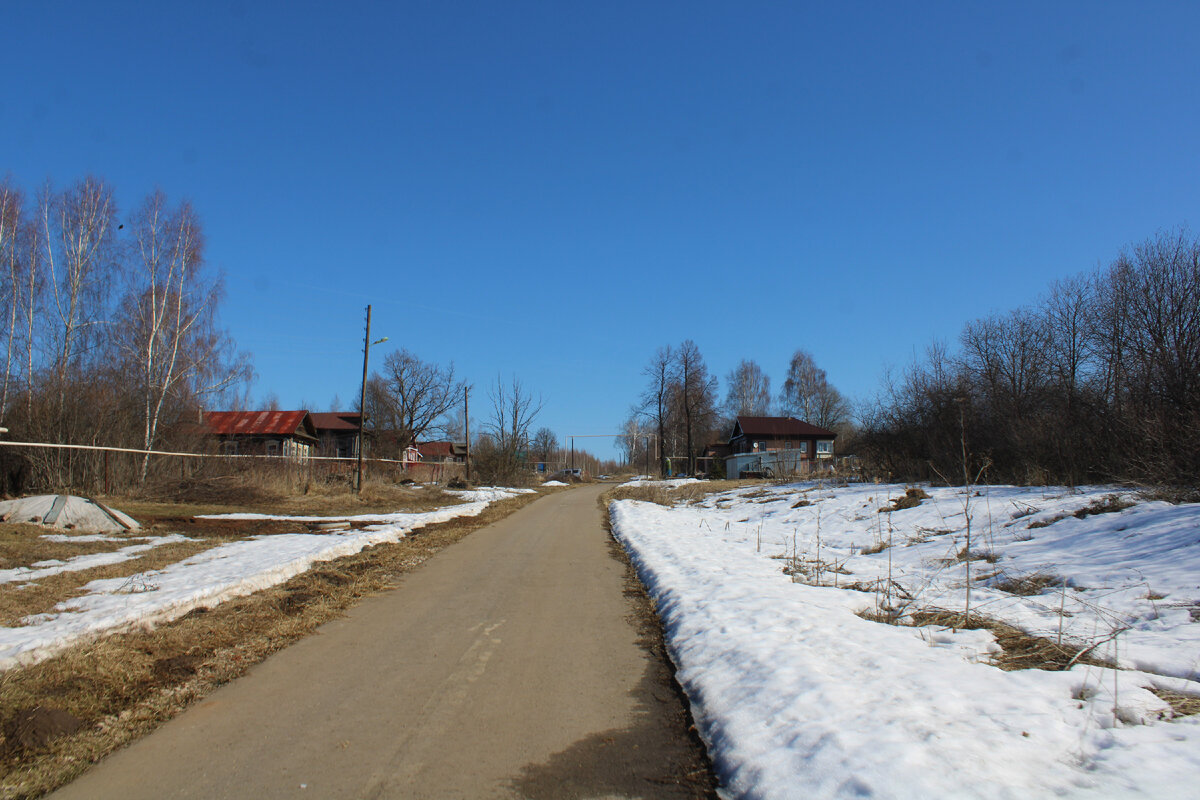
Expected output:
(22, 545)
(693, 775)
(125, 685)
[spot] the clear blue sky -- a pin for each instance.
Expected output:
(554, 191)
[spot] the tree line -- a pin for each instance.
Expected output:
(1098, 380)
(109, 329)
(680, 411)
(410, 400)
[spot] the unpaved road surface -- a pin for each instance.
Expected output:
(511, 665)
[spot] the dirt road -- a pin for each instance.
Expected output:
(507, 666)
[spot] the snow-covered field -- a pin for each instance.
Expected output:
(798, 696)
(229, 570)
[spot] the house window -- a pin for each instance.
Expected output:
(804, 447)
(230, 448)
(272, 448)
(824, 448)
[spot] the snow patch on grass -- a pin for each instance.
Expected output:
(797, 695)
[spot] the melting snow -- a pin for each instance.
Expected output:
(798, 696)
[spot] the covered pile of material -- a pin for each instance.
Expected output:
(68, 512)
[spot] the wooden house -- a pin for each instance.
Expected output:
(337, 433)
(288, 434)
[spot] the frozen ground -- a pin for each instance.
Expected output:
(206, 579)
(799, 696)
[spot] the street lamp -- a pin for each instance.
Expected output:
(362, 400)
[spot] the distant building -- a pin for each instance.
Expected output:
(443, 452)
(776, 446)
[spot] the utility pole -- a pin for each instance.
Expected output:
(572, 452)
(362, 398)
(467, 426)
(362, 402)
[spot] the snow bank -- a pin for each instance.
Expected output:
(488, 493)
(797, 696)
(206, 579)
(669, 483)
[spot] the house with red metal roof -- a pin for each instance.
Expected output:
(776, 446)
(289, 434)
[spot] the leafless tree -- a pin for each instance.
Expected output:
(416, 395)
(635, 441)
(656, 399)
(808, 395)
(513, 412)
(12, 224)
(698, 393)
(78, 228)
(1099, 381)
(544, 445)
(749, 393)
(165, 328)
(506, 433)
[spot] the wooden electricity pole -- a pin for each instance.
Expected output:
(467, 426)
(362, 402)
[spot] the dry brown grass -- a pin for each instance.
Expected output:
(1028, 585)
(1182, 704)
(125, 685)
(22, 545)
(1109, 504)
(1019, 650)
(670, 496)
(911, 498)
(321, 500)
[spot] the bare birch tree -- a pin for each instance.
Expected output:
(78, 226)
(749, 392)
(166, 328)
(808, 395)
(11, 224)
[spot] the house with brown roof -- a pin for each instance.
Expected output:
(289, 434)
(776, 446)
(442, 452)
(337, 432)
